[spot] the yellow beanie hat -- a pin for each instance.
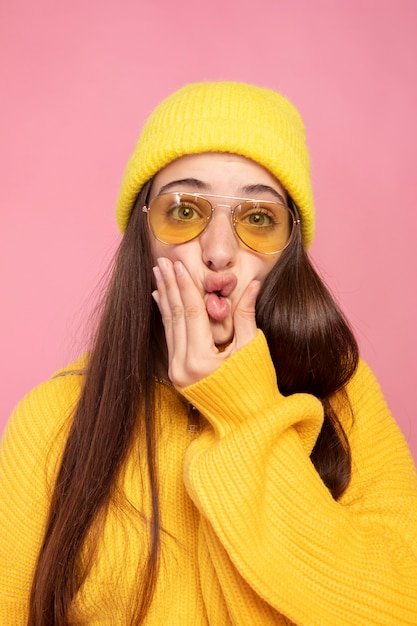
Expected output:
(254, 122)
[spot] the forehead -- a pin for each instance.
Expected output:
(215, 172)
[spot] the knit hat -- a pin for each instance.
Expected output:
(254, 122)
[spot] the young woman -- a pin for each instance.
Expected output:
(221, 455)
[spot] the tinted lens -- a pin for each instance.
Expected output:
(264, 226)
(178, 217)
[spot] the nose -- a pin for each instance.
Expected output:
(218, 242)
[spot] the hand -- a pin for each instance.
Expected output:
(192, 353)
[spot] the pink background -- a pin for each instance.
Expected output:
(77, 82)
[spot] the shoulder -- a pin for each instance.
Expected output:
(363, 382)
(367, 401)
(55, 396)
(44, 414)
(76, 368)
(374, 433)
(30, 454)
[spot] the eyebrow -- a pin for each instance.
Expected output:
(189, 182)
(199, 185)
(256, 189)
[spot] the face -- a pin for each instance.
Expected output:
(220, 265)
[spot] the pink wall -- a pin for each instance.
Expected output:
(78, 80)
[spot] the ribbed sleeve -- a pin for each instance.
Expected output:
(270, 533)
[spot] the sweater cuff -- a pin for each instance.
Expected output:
(243, 386)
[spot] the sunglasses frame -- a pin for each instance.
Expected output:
(238, 201)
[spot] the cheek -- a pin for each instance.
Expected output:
(158, 249)
(264, 265)
(163, 250)
(188, 253)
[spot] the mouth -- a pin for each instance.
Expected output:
(221, 285)
(218, 288)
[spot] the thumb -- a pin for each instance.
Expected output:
(244, 317)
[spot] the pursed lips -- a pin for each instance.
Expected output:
(222, 284)
(218, 287)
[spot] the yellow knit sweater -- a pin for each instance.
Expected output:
(251, 534)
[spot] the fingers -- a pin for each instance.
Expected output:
(171, 308)
(195, 316)
(185, 320)
(161, 298)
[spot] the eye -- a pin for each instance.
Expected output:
(185, 212)
(257, 215)
(258, 219)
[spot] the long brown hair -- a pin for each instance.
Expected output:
(313, 351)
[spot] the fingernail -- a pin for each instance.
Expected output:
(157, 273)
(162, 264)
(179, 268)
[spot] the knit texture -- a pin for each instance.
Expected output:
(252, 536)
(255, 122)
